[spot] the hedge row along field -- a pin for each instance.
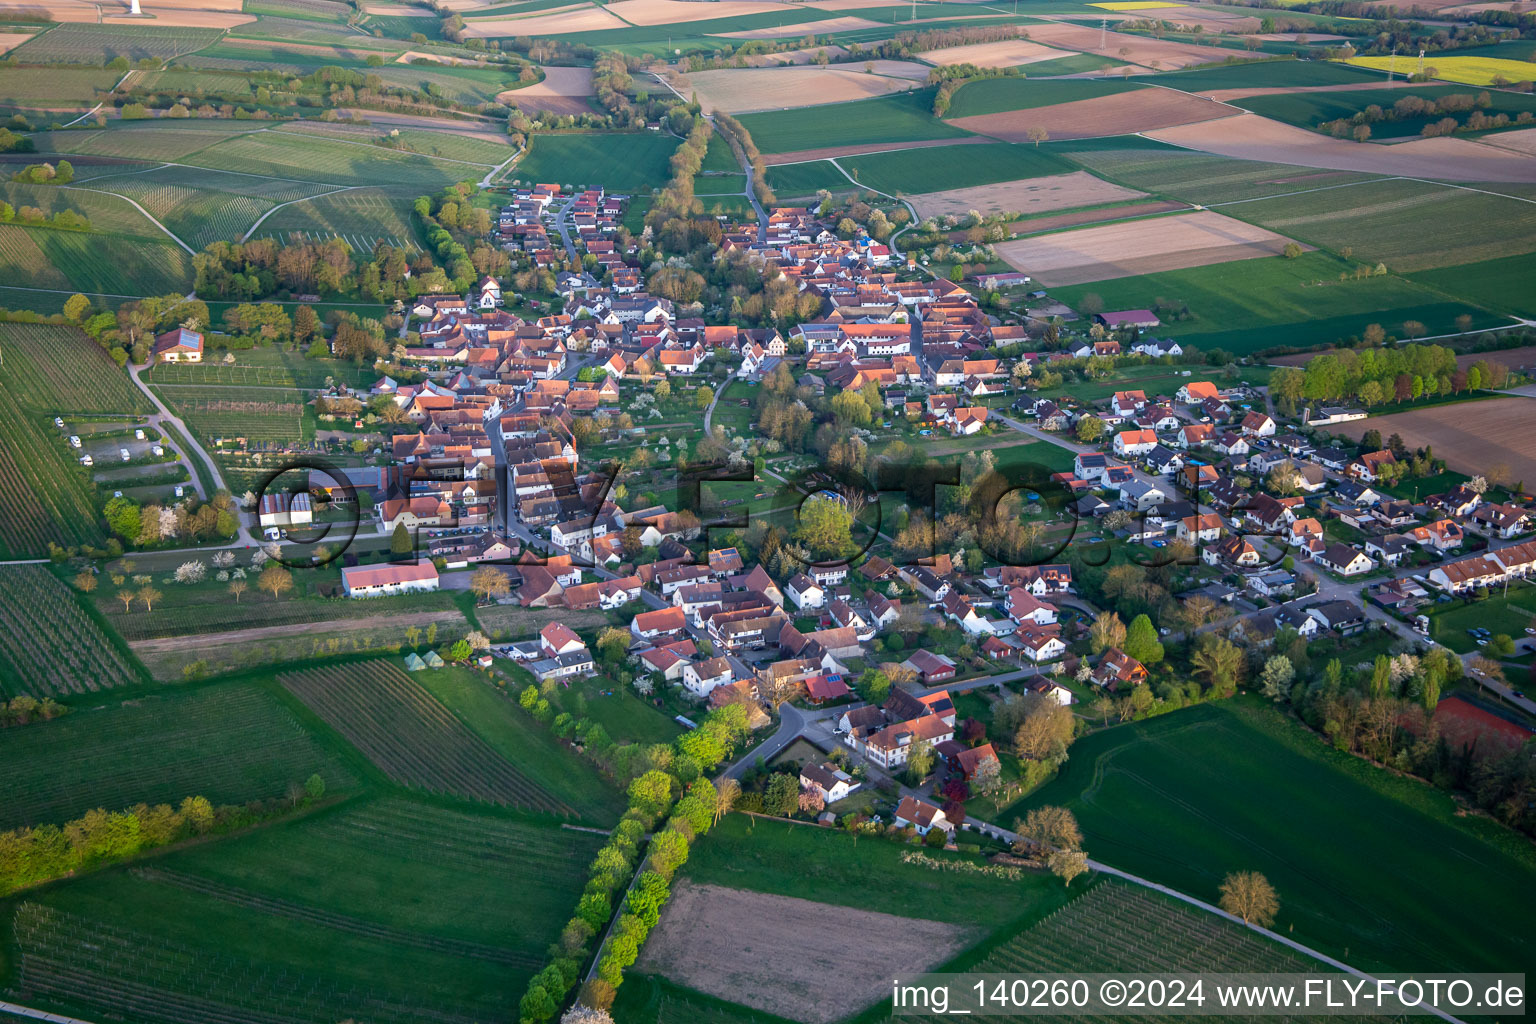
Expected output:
(60, 370)
(49, 646)
(411, 737)
(233, 743)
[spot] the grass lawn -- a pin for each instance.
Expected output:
(620, 161)
(831, 867)
(997, 95)
(1448, 623)
(903, 117)
(529, 746)
(946, 167)
(1358, 857)
(1252, 305)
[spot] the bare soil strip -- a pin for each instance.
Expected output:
(584, 18)
(1117, 114)
(806, 28)
(807, 961)
(1251, 137)
(1139, 247)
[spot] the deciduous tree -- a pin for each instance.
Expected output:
(1248, 895)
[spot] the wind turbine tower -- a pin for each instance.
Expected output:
(133, 7)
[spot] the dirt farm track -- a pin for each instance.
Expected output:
(1472, 437)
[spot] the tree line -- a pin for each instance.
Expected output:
(29, 856)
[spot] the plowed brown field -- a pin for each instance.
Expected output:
(1119, 114)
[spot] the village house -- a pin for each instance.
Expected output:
(1116, 669)
(922, 816)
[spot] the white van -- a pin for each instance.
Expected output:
(138, 435)
(74, 440)
(124, 453)
(86, 460)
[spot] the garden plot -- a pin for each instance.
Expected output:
(769, 952)
(1005, 53)
(737, 90)
(1027, 196)
(1139, 247)
(1118, 114)
(1251, 137)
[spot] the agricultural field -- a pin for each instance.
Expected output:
(492, 713)
(1470, 437)
(216, 412)
(1107, 115)
(230, 743)
(948, 167)
(1469, 70)
(1185, 798)
(792, 860)
(467, 147)
(362, 217)
(762, 950)
(1499, 285)
(1383, 221)
(397, 912)
(107, 214)
(45, 497)
(82, 43)
(738, 90)
(1139, 247)
(1001, 95)
(288, 155)
(48, 258)
(60, 370)
(1027, 197)
(410, 736)
(628, 162)
(50, 647)
(806, 179)
(1205, 179)
(1252, 305)
(188, 610)
(905, 117)
(1269, 74)
(1312, 109)
(267, 367)
(150, 141)
(1115, 928)
(48, 87)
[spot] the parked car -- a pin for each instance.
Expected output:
(74, 440)
(138, 434)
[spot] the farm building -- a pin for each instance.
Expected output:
(381, 580)
(179, 346)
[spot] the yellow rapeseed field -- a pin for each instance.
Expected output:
(1466, 70)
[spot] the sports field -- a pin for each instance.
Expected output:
(1253, 305)
(629, 162)
(906, 117)
(1186, 798)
